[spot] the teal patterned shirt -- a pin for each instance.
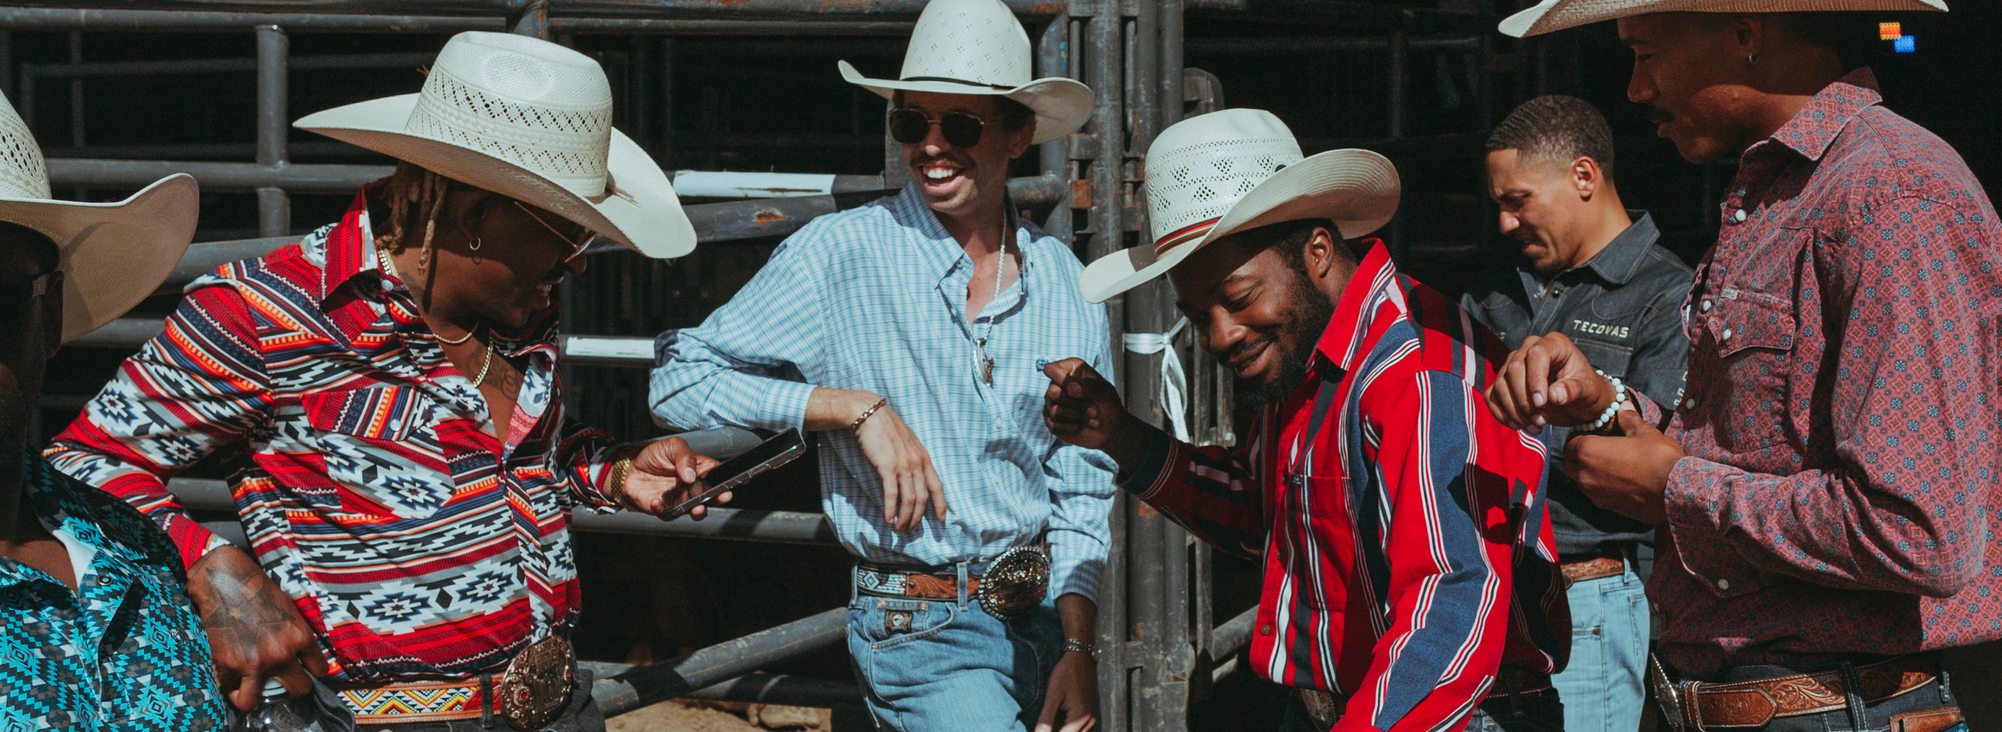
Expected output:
(124, 652)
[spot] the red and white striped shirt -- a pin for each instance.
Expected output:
(1407, 553)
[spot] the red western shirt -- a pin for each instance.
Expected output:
(1407, 554)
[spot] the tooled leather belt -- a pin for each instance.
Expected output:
(1757, 702)
(1012, 584)
(1590, 569)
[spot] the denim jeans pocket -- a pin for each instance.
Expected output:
(885, 622)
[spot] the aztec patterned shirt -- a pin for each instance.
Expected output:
(416, 543)
(125, 651)
(875, 298)
(1843, 417)
(1407, 549)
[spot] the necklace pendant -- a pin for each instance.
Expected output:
(987, 370)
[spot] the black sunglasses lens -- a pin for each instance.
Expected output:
(909, 127)
(960, 129)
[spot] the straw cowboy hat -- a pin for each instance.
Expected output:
(1557, 15)
(1235, 170)
(112, 255)
(530, 120)
(977, 47)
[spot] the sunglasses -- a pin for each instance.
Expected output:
(14, 298)
(578, 243)
(910, 127)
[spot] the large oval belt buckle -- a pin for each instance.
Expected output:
(537, 683)
(1015, 582)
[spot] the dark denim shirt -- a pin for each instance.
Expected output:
(1624, 309)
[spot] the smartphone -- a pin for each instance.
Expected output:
(767, 456)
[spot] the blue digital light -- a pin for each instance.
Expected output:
(1905, 44)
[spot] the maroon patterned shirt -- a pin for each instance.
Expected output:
(1843, 419)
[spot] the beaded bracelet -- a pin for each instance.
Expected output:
(1613, 409)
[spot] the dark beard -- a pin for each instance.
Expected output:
(1296, 340)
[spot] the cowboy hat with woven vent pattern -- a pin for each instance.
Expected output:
(1235, 170)
(1557, 15)
(530, 120)
(112, 255)
(977, 47)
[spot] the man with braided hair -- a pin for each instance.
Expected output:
(393, 378)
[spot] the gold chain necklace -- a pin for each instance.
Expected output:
(389, 267)
(486, 364)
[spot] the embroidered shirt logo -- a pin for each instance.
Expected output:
(1588, 327)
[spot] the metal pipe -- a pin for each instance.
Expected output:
(758, 687)
(715, 27)
(274, 208)
(1233, 635)
(645, 685)
(89, 69)
(1053, 59)
(1278, 46)
(57, 19)
(308, 178)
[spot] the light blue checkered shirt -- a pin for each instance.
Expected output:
(874, 299)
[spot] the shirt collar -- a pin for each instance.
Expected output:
(1622, 257)
(350, 250)
(1343, 342)
(938, 251)
(1814, 128)
(51, 496)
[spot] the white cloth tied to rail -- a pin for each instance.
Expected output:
(1174, 383)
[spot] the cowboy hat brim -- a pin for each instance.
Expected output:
(1061, 105)
(638, 207)
(1357, 189)
(1556, 15)
(113, 255)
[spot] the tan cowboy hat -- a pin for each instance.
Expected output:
(1235, 170)
(1557, 15)
(112, 255)
(977, 47)
(530, 120)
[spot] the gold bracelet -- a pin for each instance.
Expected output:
(615, 483)
(867, 413)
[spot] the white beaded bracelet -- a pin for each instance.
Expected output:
(1613, 409)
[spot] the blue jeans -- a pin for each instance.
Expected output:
(1602, 685)
(945, 665)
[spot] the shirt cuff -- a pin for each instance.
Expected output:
(1144, 479)
(1698, 506)
(784, 404)
(1073, 567)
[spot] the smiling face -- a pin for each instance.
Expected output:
(963, 183)
(1692, 72)
(1539, 207)
(1260, 305)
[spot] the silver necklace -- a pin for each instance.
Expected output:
(983, 362)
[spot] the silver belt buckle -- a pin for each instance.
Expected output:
(1014, 582)
(1322, 707)
(1668, 696)
(536, 685)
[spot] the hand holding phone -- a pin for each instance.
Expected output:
(767, 456)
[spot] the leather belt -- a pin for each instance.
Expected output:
(1591, 569)
(1757, 702)
(880, 582)
(529, 693)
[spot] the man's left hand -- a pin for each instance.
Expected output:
(1626, 474)
(1072, 695)
(665, 473)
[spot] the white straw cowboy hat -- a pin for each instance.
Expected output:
(977, 47)
(530, 120)
(1557, 15)
(112, 255)
(1235, 170)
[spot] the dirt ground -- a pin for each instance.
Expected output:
(678, 715)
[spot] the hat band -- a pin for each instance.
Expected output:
(1184, 235)
(996, 87)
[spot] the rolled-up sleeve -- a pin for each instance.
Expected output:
(743, 366)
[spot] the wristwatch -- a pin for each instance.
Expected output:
(1073, 645)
